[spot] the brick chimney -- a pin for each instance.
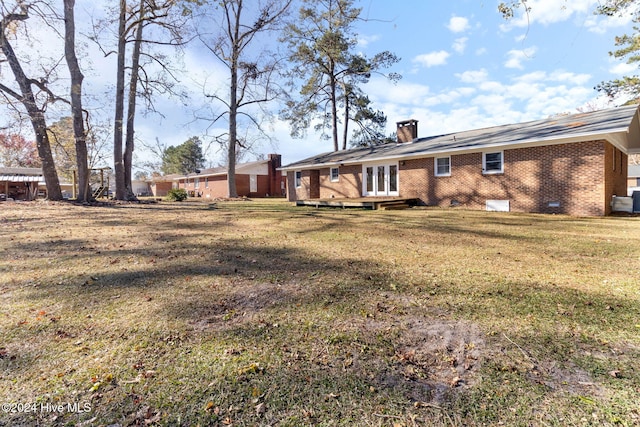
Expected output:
(407, 131)
(275, 176)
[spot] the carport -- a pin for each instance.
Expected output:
(20, 183)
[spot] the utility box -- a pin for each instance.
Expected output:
(636, 201)
(622, 204)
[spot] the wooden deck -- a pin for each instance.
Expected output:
(362, 202)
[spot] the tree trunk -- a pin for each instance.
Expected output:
(233, 103)
(84, 195)
(334, 113)
(345, 131)
(131, 107)
(119, 113)
(36, 115)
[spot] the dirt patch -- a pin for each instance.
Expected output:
(435, 357)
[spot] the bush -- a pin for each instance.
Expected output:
(177, 194)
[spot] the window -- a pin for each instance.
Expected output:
(443, 166)
(492, 162)
(206, 183)
(369, 174)
(253, 183)
(335, 174)
(298, 179)
(393, 178)
(197, 183)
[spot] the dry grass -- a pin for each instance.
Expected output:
(258, 313)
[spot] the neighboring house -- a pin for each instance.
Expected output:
(254, 179)
(160, 185)
(571, 164)
(21, 184)
(26, 184)
(140, 188)
(633, 179)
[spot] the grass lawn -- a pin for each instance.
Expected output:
(258, 313)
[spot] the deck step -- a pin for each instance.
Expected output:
(389, 206)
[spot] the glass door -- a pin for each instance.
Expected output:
(380, 180)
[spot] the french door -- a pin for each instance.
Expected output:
(380, 180)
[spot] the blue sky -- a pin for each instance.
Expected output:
(463, 67)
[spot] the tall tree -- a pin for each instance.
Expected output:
(33, 104)
(628, 49)
(133, 28)
(251, 68)
(84, 193)
(118, 161)
(184, 158)
(322, 43)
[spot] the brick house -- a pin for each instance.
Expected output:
(571, 164)
(254, 179)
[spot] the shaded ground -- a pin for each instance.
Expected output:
(257, 313)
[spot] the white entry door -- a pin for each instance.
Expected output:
(380, 180)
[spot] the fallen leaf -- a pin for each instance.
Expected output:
(260, 409)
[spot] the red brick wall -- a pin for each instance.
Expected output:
(161, 189)
(580, 177)
(569, 174)
(306, 190)
(349, 183)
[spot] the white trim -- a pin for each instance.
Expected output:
(297, 182)
(493, 171)
(337, 178)
(435, 166)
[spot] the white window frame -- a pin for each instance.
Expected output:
(253, 183)
(196, 183)
(297, 176)
(484, 163)
(337, 177)
(435, 166)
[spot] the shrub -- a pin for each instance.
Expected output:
(177, 194)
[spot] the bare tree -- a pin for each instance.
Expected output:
(34, 105)
(84, 195)
(251, 68)
(133, 24)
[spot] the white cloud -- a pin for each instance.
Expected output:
(568, 77)
(549, 12)
(516, 57)
(402, 93)
(473, 76)
(364, 41)
(601, 24)
(481, 51)
(458, 24)
(623, 69)
(432, 59)
(459, 45)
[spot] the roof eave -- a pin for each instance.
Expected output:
(618, 137)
